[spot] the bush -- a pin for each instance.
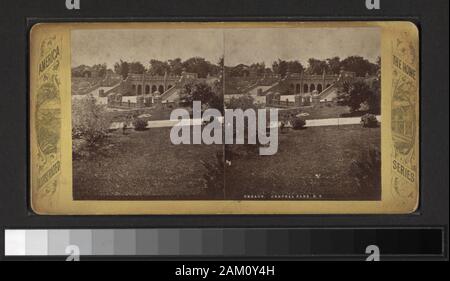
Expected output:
(367, 171)
(214, 176)
(298, 123)
(140, 124)
(369, 121)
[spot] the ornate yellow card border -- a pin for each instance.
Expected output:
(51, 138)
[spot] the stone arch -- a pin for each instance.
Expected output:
(297, 88)
(312, 87)
(154, 89)
(161, 89)
(147, 89)
(319, 88)
(139, 89)
(305, 88)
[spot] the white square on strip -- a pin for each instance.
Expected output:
(14, 242)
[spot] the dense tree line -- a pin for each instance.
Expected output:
(172, 67)
(334, 65)
(202, 67)
(99, 70)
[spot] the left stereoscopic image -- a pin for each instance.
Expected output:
(125, 85)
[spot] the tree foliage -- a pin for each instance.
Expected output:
(317, 67)
(201, 66)
(99, 70)
(158, 67)
(282, 67)
(176, 66)
(359, 65)
(334, 65)
(136, 67)
(122, 68)
(204, 93)
(243, 102)
(89, 121)
(359, 93)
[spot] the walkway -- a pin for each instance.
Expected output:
(309, 123)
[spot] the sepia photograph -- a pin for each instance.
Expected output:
(326, 85)
(125, 84)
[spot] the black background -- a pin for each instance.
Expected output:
(431, 16)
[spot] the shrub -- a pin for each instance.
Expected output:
(88, 121)
(139, 124)
(298, 123)
(369, 121)
(214, 176)
(367, 171)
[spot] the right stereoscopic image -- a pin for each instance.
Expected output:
(325, 85)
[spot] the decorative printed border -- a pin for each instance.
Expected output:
(404, 120)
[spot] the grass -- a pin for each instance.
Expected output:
(314, 163)
(142, 165)
(156, 114)
(323, 111)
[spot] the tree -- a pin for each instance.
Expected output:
(158, 67)
(374, 101)
(221, 62)
(334, 65)
(258, 68)
(358, 93)
(175, 66)
(280, 67)
(200, 66)
(217, 100)
(295, 66)
(89, 121)
(78, 71)
(136, 68)
(317, 67)
(100, 69)
(201, 92)
(359, 65)
(243, 102)
(122, 68)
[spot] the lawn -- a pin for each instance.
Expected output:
(121, 115)
(322, 111)
(142, 165)
(314, 163)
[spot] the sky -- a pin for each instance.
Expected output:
(238, 46)
(109, 46)
(267, 45)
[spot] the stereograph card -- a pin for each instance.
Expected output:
(224, 118)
